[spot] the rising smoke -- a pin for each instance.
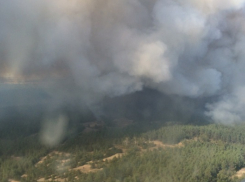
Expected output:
(91, 49)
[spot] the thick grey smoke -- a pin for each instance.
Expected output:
(95, 48)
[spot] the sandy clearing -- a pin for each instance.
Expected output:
(86, 169)
(113, 156)
(52, 154)
(240, 173)
(57, 179)
(24, 176)
(160, 144)
(12, 180)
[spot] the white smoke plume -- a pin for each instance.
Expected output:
(92, 49)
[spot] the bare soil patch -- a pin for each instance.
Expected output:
(159, 144)
(12, 180)
(57, 180)
(113, 156)
(86, 169)
(240, 173)
(53, 154)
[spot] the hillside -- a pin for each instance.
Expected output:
(136, 153)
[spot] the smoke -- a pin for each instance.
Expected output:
(53, 130)
(88, 50)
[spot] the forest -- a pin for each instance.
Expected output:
(141, 152)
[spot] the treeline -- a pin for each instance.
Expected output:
(176, 133)
(207, 153)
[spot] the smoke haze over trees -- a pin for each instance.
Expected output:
(82, 51)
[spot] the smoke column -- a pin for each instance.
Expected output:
(89, 49)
